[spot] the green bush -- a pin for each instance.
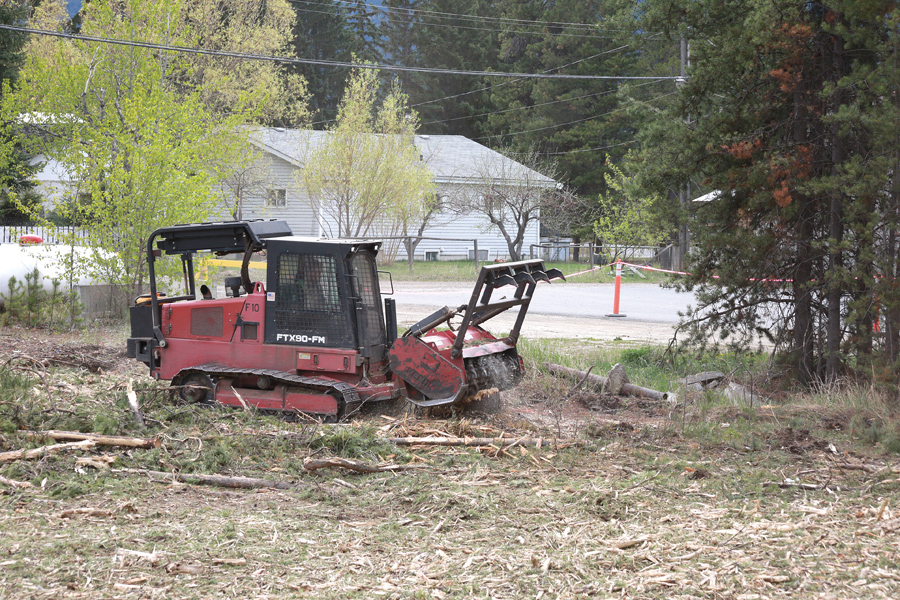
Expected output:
(28, 303)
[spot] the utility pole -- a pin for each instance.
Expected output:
(684, 239)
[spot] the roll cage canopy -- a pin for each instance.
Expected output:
(221, 238)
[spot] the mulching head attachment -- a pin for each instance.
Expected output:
(524, 275)
(450, 374)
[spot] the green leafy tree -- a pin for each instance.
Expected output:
(268, 91)
(17, 166)
(140, 131)
(366, 177)
(626, 218)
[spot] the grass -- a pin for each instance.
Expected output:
(688, 504)
(455, 271)
(465, 271)
(648, 366)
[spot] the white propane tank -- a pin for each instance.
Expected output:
(49, 259)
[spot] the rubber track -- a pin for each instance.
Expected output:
(214, 370)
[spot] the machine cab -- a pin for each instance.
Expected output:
(324, 293)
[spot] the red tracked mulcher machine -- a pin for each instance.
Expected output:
(316, 338)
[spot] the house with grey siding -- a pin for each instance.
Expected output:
(460, 166)
(270, 188)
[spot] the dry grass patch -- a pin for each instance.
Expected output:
(703, 499)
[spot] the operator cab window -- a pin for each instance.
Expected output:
(308, 282)
(307, 299)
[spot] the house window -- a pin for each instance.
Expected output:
(275, 197)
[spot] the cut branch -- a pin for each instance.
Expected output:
(314, 464)
(100, 440)
(44, 451)
(802, 486)
(14, 483)
(627, 388)
(499, 442)
(247, 483)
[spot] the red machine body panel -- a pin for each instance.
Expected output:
(444, 340)
(230, 332)
(280, 398)
(329, 361)
(428, 370)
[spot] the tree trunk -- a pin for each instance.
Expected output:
(833, 329)
(510, 243)
(804, 340)
(892, 306)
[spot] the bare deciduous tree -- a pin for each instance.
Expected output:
(511, 193)
(245, 176)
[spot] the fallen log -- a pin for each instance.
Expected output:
(627, 388)
(246, 483)
(499, 442)
(14, 483)
(33, 453)
(100, 440)
(314, 464)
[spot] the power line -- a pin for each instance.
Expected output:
(499, 85)
(591, 118)
(446, 15)
(506, 110)
(469, 27)
(583, 149)
(329, 63)
(514, 80)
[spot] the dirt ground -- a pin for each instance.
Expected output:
(613, 498)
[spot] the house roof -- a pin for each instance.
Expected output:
(452, 158)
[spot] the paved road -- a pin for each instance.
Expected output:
(576, 310)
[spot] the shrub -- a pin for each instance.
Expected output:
(29, 304)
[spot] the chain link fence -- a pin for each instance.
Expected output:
(598, 254)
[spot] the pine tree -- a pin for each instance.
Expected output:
(323, 32)
(12, 42)
(363, 24)
(577, 121)
(451, 35)
(799, 140)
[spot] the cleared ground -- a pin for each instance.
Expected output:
(624, 498)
